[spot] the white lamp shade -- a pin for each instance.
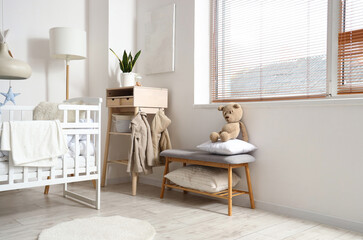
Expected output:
(67, 43)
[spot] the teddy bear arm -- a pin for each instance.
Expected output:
(244, 132)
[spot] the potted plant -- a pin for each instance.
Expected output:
(126, 65)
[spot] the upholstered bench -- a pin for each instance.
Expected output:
(206, 159)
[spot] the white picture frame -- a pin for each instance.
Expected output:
(160, 40)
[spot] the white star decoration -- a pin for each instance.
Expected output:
(9, 96)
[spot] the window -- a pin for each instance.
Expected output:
(264, 49)
(350, 50)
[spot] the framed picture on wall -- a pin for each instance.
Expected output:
(160, 40)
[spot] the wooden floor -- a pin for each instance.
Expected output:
(24, 213)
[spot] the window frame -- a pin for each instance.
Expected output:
(349, 90)
(333, 29)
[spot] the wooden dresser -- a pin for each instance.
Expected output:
(129, 101)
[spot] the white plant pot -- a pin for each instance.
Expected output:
(128, 79)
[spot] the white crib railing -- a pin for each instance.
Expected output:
(90, 127)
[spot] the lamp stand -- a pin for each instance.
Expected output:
(67, 79)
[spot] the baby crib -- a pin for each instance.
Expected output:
(70, 167)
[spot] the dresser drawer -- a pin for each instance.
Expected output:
(137, 97)
(111, 102)
(119, 102)
(127, 101)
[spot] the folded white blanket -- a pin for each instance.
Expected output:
(33, 143)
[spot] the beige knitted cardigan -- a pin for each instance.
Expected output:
(160, 136)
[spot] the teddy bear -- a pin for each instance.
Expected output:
(232, 113)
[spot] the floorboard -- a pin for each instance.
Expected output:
(24, 213)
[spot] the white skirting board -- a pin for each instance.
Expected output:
(311, 216)
(287, 211)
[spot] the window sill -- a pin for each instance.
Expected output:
(329, 101)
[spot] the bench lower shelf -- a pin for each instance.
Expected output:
(222, 194)
(227, 194)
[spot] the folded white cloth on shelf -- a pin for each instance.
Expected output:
(33, 143)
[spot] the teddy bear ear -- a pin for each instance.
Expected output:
(220, 108)
(236, 105)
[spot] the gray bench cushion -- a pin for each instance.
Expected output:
(208, 157)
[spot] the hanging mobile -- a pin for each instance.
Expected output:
(10, 68)
(9, 96)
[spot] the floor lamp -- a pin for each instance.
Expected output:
(67, 44)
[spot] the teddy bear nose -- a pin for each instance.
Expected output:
(227, 117)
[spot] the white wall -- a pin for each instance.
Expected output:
(112, 25)
(29, 23)
(309, 161)
(98, 57)
(122, 35)
(202, 34)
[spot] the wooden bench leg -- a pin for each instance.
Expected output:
(229, 191)
(167, 180)
(252, 201)
(164, 178)
(185, 192)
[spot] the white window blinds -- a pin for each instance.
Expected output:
(350, 51)
(268, 49)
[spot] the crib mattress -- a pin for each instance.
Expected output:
(4, 165)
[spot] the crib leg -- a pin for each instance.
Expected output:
(94, 182)
(46, 188)
(64, 189)
(98, 193)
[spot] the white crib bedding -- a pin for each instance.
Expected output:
(4, 165)
(82, 150)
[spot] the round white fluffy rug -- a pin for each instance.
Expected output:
(100, 228)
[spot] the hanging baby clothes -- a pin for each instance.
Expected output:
(141, 152)
(160, 136)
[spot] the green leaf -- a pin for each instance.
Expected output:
(136, 57)
(131, 67)
(115, 54)
(125, 62)
(131, 59)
